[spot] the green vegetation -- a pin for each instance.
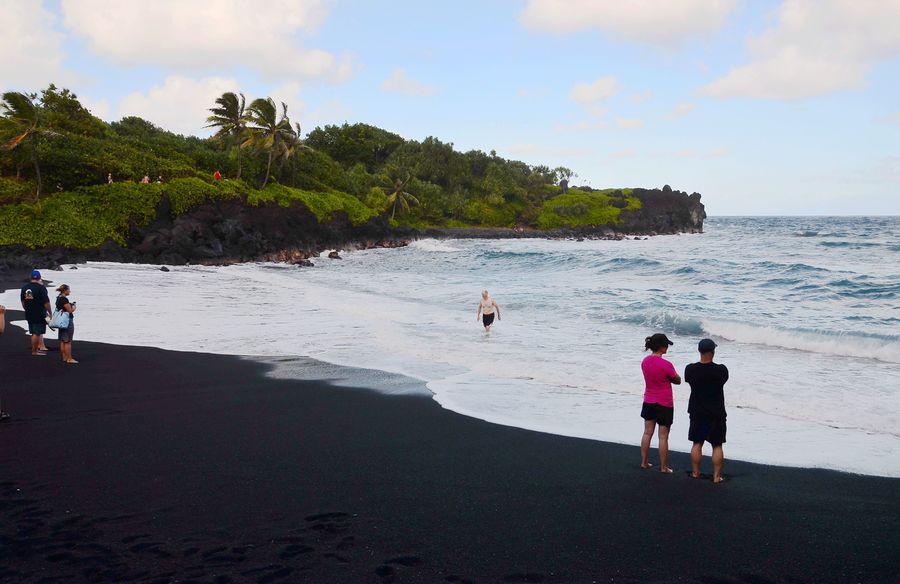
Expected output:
(56, 156)
(578, 208)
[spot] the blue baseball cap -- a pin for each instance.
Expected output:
(35, 275)
(706, 346)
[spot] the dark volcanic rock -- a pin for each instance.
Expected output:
(334, 256)
(226, 232)
(163, 269)
(665, 212)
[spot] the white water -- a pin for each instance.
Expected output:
(565, 358)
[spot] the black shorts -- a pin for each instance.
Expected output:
(37, 328)
(707, 429)
(487, 319)
(67, 334)
(659, 413)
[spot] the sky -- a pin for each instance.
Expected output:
(765, 107)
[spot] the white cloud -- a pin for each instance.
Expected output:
(330, 112)
(288, 93)
(680, 110)
(218, 35)
(640, 97)
(815, 48)
(601, 89)
(400, 82)
(629, 123)
(31, 47)
(625, 153)
(665, 23)
(180, 104)
(891, 118)
(585, 126)
(537, 150)
(99, 108)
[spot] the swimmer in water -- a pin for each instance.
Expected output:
(486, 308)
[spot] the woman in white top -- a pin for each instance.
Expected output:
(486, 308)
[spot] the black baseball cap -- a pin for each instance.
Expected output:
(706, 346)
(659, 339)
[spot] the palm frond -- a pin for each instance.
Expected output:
(12, 144)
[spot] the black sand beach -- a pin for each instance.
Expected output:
(143, 465)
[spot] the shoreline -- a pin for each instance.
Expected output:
(598, 413)
(752, 425)
(18, 257)
(160, 465)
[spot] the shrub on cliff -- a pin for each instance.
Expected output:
(322, 204)
(578, 208)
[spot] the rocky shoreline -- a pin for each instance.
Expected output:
(229, 232)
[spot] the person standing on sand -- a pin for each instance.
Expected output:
(2, 319)
(486, 308)
(659, 407)
(66, 334)
(707, 408)
(36, 304)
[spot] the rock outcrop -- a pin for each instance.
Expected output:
(232, 231)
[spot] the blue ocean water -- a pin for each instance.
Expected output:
(805, 311)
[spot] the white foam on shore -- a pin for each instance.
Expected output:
(882, 349)
(532, 373)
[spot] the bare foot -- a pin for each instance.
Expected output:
(39, 354)
(71, 361)
(666, 470)
(647, 465)
(695, 475)
(718, 479)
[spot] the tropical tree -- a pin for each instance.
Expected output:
(268, 132)
(289, 148)
(229, 116)
(397, 195)
(24, 116)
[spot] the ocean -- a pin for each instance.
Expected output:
(805, 311)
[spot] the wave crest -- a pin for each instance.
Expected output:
(881, 347)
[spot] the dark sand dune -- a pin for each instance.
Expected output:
(143, 465)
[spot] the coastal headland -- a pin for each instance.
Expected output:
(75, 188)
(226, 232)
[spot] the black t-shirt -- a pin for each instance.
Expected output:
(34, 296)
(707, 381)
(61, 301)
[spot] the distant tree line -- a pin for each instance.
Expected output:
(49, 142)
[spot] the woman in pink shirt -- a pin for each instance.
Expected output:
(659, 407)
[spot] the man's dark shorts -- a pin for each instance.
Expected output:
(661, 414)
(37, 328)
(707, 429)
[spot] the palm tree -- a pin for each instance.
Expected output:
(397, 195)
(268, 132)
(230, 119)
(290, 147)
(25, 117)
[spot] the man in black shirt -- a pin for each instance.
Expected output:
(36, 303)
(707, 408)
